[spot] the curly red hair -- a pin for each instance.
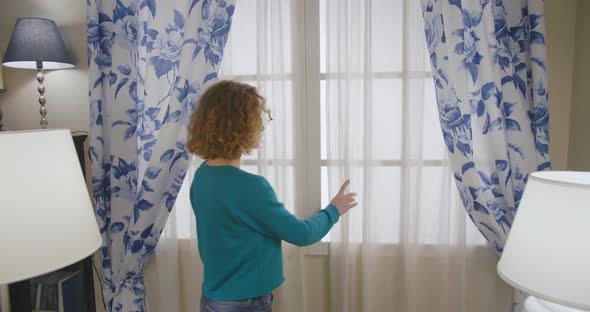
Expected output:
(228, 121)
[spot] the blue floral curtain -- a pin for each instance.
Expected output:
(488, 61)
(149, 61)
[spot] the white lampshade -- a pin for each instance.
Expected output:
(46, 218)
(547, 254)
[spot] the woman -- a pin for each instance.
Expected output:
(240, 222)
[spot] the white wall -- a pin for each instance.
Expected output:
(579, 144)
(560, 19)
(66, 90)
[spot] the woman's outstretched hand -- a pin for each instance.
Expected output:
(344, 201)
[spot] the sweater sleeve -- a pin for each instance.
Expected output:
(269, 216)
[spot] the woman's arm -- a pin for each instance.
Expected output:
(270, 217)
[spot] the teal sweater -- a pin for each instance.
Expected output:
(240, 226)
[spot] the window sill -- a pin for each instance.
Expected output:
(318, 249)
(392, 250)
(383, 249)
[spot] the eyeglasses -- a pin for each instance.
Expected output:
(268, 116)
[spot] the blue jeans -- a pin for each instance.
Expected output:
(257, 304)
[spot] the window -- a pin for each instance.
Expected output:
(280, 46)
(391, 76)
(260, 52)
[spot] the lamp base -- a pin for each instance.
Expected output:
(534, 304)
(42, 100)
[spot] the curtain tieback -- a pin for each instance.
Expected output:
(133, 281)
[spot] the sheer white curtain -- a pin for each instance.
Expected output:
(259, 52)
(407, 246)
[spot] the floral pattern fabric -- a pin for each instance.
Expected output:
(148, 62)
(488, 61)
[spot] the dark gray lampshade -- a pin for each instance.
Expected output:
(37, 40)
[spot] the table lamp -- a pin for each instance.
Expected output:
(37, 44)
(547, 254)
(46, 218)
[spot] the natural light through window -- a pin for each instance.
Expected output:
(391, 80)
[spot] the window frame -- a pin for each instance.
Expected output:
(312, 105)
(307, 163)
(313, 108)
